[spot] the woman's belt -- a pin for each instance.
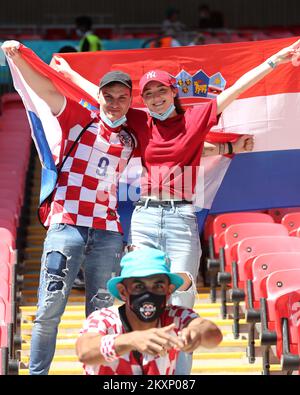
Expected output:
(161, 203)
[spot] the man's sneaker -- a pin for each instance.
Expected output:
(79, 282)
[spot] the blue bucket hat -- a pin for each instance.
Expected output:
(143, 262)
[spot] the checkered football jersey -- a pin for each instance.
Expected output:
(86, 189)
(107, 321)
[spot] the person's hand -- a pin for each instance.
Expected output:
(191, 339)
(156, 341)
(61, 65)
(11, 49)
(287, 54)
(245, 143)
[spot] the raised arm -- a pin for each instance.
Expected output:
(200, 332)
(253, 76)
(40, 84)
(62, 66)
(244, 143)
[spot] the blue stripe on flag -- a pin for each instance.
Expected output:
(49, 171)
(260, 180)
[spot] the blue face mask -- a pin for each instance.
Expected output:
(112, 124)
(165, 115)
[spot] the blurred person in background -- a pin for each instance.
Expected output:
(204, 17)
(89, 41)
(172, 25)
(208, 19)
(171, 29)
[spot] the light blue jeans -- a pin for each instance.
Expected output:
(175, 231)
(66, 247)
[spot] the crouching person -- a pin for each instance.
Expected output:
(145, 334)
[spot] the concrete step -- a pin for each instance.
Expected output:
(64, 371)
(233, 369)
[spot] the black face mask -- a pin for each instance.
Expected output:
(147, 306)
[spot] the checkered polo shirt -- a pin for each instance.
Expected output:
(107, 321)
(86, 189)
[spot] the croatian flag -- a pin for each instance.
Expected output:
(265, 178)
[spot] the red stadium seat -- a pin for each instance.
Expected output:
(223, 221)
(216, 240)
(287, 327)
(277, 284)
(266, 264)
(104, 33)
(250, 247)
(228, 256)
(56, 34)
(279, 213)
(236, 38)
(228, 261)
(262, 266)
(291, 221)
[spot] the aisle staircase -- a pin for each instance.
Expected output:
(228, 358)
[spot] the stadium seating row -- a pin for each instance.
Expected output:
(114, 32)
(15, 143)
(255, 257)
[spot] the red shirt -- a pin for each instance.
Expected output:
(86, 189)
(171, 150)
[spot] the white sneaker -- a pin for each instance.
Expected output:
(79, 282)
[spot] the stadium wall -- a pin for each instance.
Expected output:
(237, 13)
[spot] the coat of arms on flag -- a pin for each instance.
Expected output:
(199, 84)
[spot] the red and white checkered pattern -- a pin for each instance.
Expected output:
(107, 321)
(107, 347)
(86, 190)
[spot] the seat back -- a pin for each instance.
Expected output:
(288, 306)
(223, 221)
(291, 221)
(251, 247)
(279, 283)
(278, 213)
(265, 264)
(235, 233)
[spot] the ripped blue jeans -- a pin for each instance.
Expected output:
(66, 247)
